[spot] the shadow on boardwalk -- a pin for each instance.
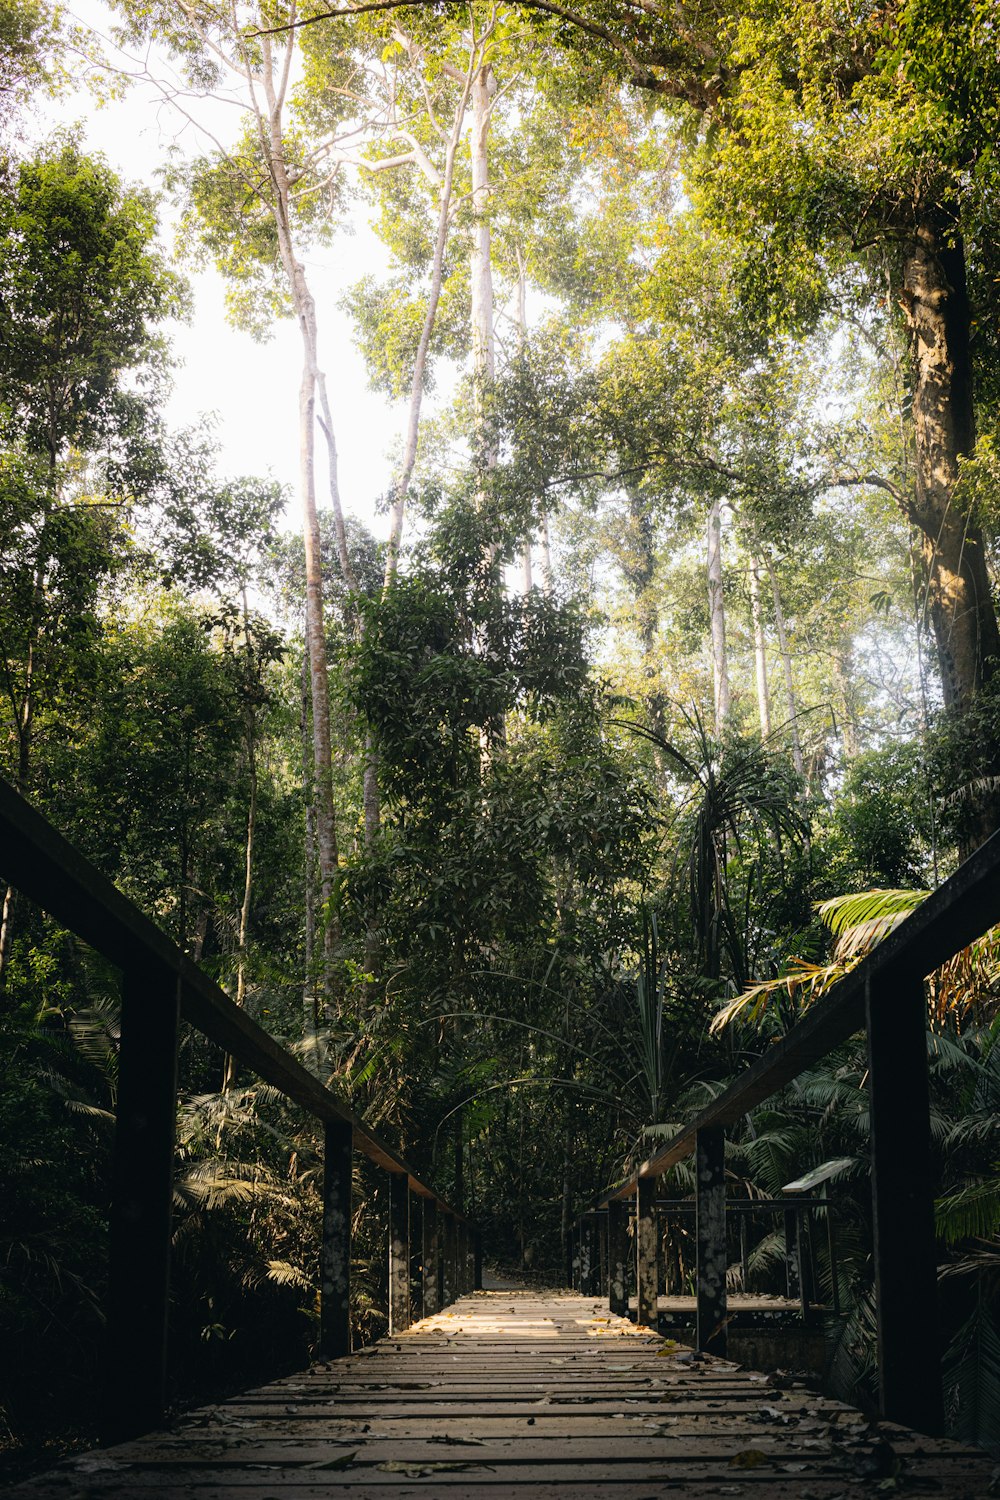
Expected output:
(518, 1393)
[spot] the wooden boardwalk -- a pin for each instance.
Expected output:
(522, 1394)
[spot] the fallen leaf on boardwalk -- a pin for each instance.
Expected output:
(418, 1470)
(343, 1462)
(748, 1458)
(670, 1347)
(458, 1442)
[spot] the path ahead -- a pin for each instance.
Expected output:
(522, 1394)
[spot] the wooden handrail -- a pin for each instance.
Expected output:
(38, 861)
(160, 986)
(958, 912)
(884, 997)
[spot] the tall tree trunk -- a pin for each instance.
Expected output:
(480, 261)
(326, 826)
(229, 1062)
(786, 667)
(848, 718)
(402, 484)
(272, 139)
(310, 1003)
(522, 340)
(935, 300)
(371, 799)
(759, 649)
(717, 618)
(547, 575)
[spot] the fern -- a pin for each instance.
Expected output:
(972, 1376)
(971, 1213)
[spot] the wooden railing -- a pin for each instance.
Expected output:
(160, 987)
(884, 997)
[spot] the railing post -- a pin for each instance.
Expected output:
(462, 1279)
(710, 1237)
(335, 1258)
(647, 1253)
(450, 1268)
(574, 1258)
(418, 1267)
(909, 1356)
(399, 1252)
(586, 1255)
(793, 1256)
(617, 1257)
(477, 1261)
(141, 1196)
(432, 1258)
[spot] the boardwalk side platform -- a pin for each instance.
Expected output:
(523, 1394)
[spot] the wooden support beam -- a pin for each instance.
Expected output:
(399, 1252)
(793, 1277)
(462, 1252)
(647, 1253)
(335, 1258)
(586, 1256)
(710, 1237)
(477, 1260)
(574, 1258)
(618, 1258)
(432, 1259)
(449, 1288)
(141, 1197)
(903, 1208)
(418, 1279)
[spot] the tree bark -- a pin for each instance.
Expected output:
(935, 301)
(759, 649)
(717, 618)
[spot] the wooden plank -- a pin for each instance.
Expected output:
(496, 1420)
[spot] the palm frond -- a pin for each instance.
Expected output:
(802, 981)
(971, 1213)
(859, 920)
(285, 1274)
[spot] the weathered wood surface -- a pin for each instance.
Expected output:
(522, 1394)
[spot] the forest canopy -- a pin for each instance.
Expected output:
(531, 803)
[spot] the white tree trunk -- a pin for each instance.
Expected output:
(398, 507)
(786, 666)
(271, 129)
(717, 618)
(759, 648)
(481, 267)
(547, 577)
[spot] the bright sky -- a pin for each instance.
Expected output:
(251, 388)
